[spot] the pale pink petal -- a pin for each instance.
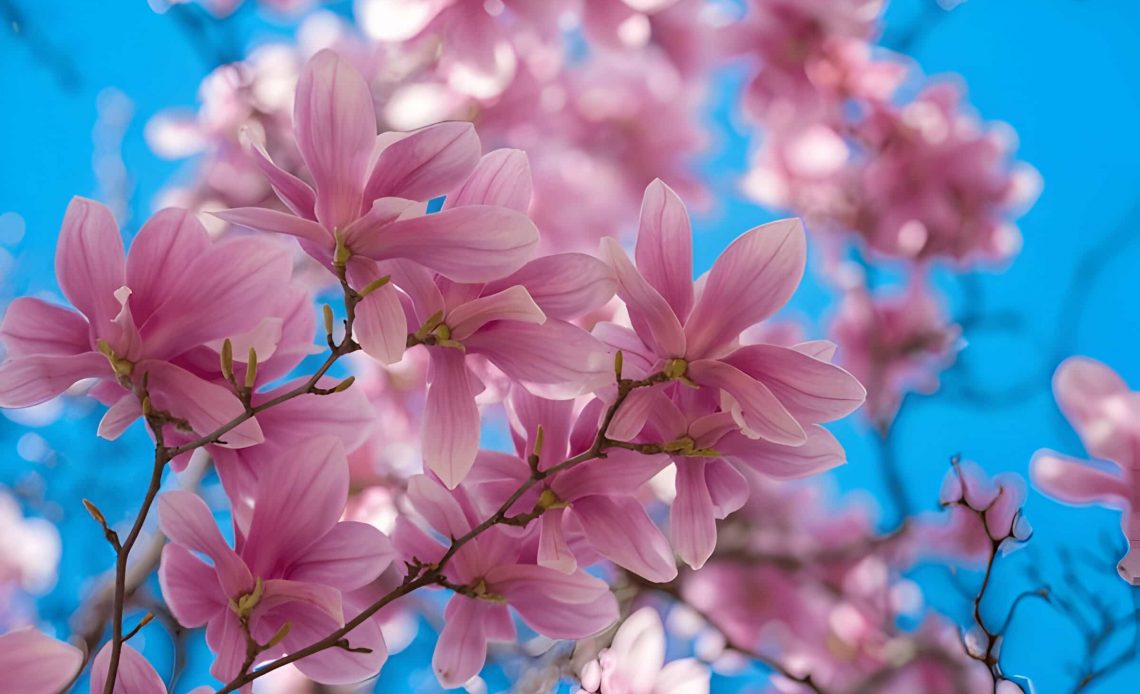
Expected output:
(692, 520)
(120, 416)
(90, 263)
(451, 418)
(190, 587)
(375, 220)
(381, 326)
(652, 317)
(350, 556)
(633, 413)
(527, 412)
(226, 639)
(756, 275)
(296, 506)
(206, 406)
(620, 530)
(620, 472)
(283, 593)
(426, 163)
(334, 666)
(438, 506)
(728, 489)
(412, 542)
(1077, 482)
(165, 246)
(685, 676)
(274, 221)
(347, 415)
(31, 326)
(558, 605)
(823, 350)
(501, 177)
(135, 675)
(638, 652)
(33, 663)
(821, 453)
(185, 519)
(297, 195)
(511, 304)
(476, 243)
(498, 624)
(757, 410)
(553, 551)
(27, 381)
(554, 353)
(462, 646)
(664, 251)
(564, 285)
(335, 122)
(1091, 395)
(812, 390)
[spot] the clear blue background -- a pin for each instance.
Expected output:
(1064, 73)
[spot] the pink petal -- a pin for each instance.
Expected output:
(190, 587)
(438, 506)
(350, 556)
(501, 177)
(381, 326)
(31, 326)
(558, 605)
(527, 412)
(1077, 482)
(692, 520)
(185, 519)
(296, 506)
(451, 419)
(274, 221)
(226, 639)
(297, 195)
(553, 552)
(121, 415)
(759, 412)
(334, 666)
(511, 304)
(812, 390)
(620, 472)
(426, 163)
(685, 676)
(664, 251)
(33, 662)
(170, 241)
(27, 381)
(1092, 397)
(335, 122)
(555, 353)
(620, 529)
(756, 275)
(823, 350)
(89, 262)
(135, 675)
(633, 413)
(652, 317)
(564, 285)
(347, 416)
(476, 243)
(639, 652)
(462, 647)
(821, 453)
(728, 489)
(205, 406)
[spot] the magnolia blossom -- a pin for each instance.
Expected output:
(634, 663)
(34, 663)
(1106, 415)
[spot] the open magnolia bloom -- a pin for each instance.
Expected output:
(1106, 415)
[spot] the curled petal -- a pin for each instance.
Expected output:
(553, 551)
(812, 390)
(425, 163)
(501, 177)
(190, 587)
(758, 411)
(297, 195)
(511, 304)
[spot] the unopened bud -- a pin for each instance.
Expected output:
(618, 358)
(95, 512)
(375, 285)
(251, 369)
(328, 319)
(343, 385)
(539, 435)
(227, 359)
(280, 635)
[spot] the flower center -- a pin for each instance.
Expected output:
(244, 605)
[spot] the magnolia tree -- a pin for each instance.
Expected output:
(458, 181)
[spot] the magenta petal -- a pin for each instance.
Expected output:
(728, 489)
(692, 520)
(476, 243)
(511, 304)
(32, 662)
(226, 639)
(185, 519)
(334, 666)
(90, 263)
(564, 285)
(757, 410)
(451, 418)
(381, 326)
(135, 675)
(632, 415)
(335, 123)
(297, 195)
(462, 646)
(812, 390)
(527, 412)
(274, 221)
(821, 453)
(190, 587)
(620, 529)
(166, 245)
(425, 163)
(664, 251)
(620, 472)
(558, 605)
(206, 406)
(501, 177)
(347, 416)
(120, 416)
(652, 317)
(1077, 482)
(31, 326)
(756, 275)
(27, 381)
(350, 556)
(554, 353)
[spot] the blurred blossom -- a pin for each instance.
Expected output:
(29, 559)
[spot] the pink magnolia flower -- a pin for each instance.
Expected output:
(293, 563)
(139, 315)
(33, 663)
(492, 574)
(635, 662)
(592, 508)
(894, 344)
(1106, 414)
(135, 674)
(370, 190)
(980, 511)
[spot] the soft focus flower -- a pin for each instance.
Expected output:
(635, 662)
(33, 663)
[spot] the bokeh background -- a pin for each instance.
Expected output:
(80, 80)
